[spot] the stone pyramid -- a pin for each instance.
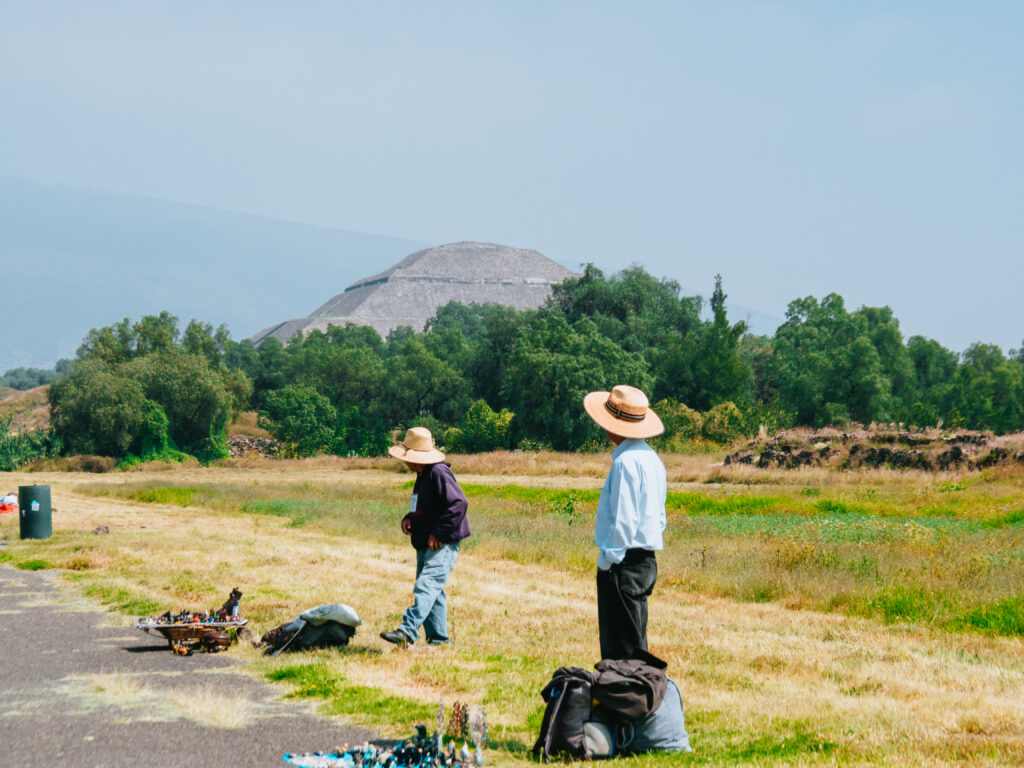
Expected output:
(410, 292)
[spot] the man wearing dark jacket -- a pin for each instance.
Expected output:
(436, 524)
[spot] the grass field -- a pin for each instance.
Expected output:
(810, 617)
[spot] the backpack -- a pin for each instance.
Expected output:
(591, 715)
(300, 635)
(562, 731)
(664, 729)
(325, 626)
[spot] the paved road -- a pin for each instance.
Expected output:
(77, 690)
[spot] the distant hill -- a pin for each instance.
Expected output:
(74, 259)
(28, 410)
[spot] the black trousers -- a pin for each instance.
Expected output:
(622, 593)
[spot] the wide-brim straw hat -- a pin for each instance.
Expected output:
(418, 447)
(624, 411)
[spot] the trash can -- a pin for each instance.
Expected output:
(34, 504)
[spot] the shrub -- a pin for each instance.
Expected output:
(359, 435)
(24, 447)
(481, 430)
(682, 424)
(301, 418)
(723, 423)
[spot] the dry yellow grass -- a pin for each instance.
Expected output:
(29, 408)
(763, 684)
(210, 707)
(202, 703)
(550, 466)
(247, 423)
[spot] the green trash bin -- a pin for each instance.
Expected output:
(34, 508)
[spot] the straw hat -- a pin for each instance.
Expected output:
(624, 411)
(418, 447)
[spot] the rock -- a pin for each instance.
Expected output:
(245, 445)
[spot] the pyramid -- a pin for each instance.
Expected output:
(410, 292)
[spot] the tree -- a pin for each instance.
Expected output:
(341, 371)
(126, 341)
(883, 331)
(270, 369)
(824, 366)
(201, 339)
(632, 308)
(720, 372)
(989, 389)
(27, 378)
(301, 418)
(420, 383)
(756, 353)
(96, 411)
(552, 366)
(490, 349)
(934, 370)
(192, 394)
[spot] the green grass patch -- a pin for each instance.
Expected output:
(1016, 517)
(310, 681)
(833, 507)
(34, 565)
(1003, 617)
(298, 511)
(532, 495)
(125, 601)
(776, 746)
(377, 707)
(900, 603)
(701, 504)
(167, 494)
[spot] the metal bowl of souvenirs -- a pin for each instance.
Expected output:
(189, 629)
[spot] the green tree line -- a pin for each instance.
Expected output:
(489, 376)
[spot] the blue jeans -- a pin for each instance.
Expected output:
(430, 603)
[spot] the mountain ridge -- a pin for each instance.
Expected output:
(74, 259)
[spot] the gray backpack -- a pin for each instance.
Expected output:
(664, 729)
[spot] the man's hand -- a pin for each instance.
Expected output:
(433, 543)
(407, 526)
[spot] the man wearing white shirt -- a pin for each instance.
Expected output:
(630, 519)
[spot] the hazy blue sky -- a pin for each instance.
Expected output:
(874, 149)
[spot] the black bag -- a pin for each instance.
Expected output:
(621, 707)
(299, 635)
(568, 700)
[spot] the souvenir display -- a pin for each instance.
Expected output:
(189, 626)
(421, 751)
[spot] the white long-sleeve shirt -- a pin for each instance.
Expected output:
(631, 510)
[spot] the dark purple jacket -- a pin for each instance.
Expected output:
(440, 507)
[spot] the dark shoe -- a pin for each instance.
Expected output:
(437, 641)
(397, 636)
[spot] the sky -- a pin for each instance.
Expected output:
(870, 149)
